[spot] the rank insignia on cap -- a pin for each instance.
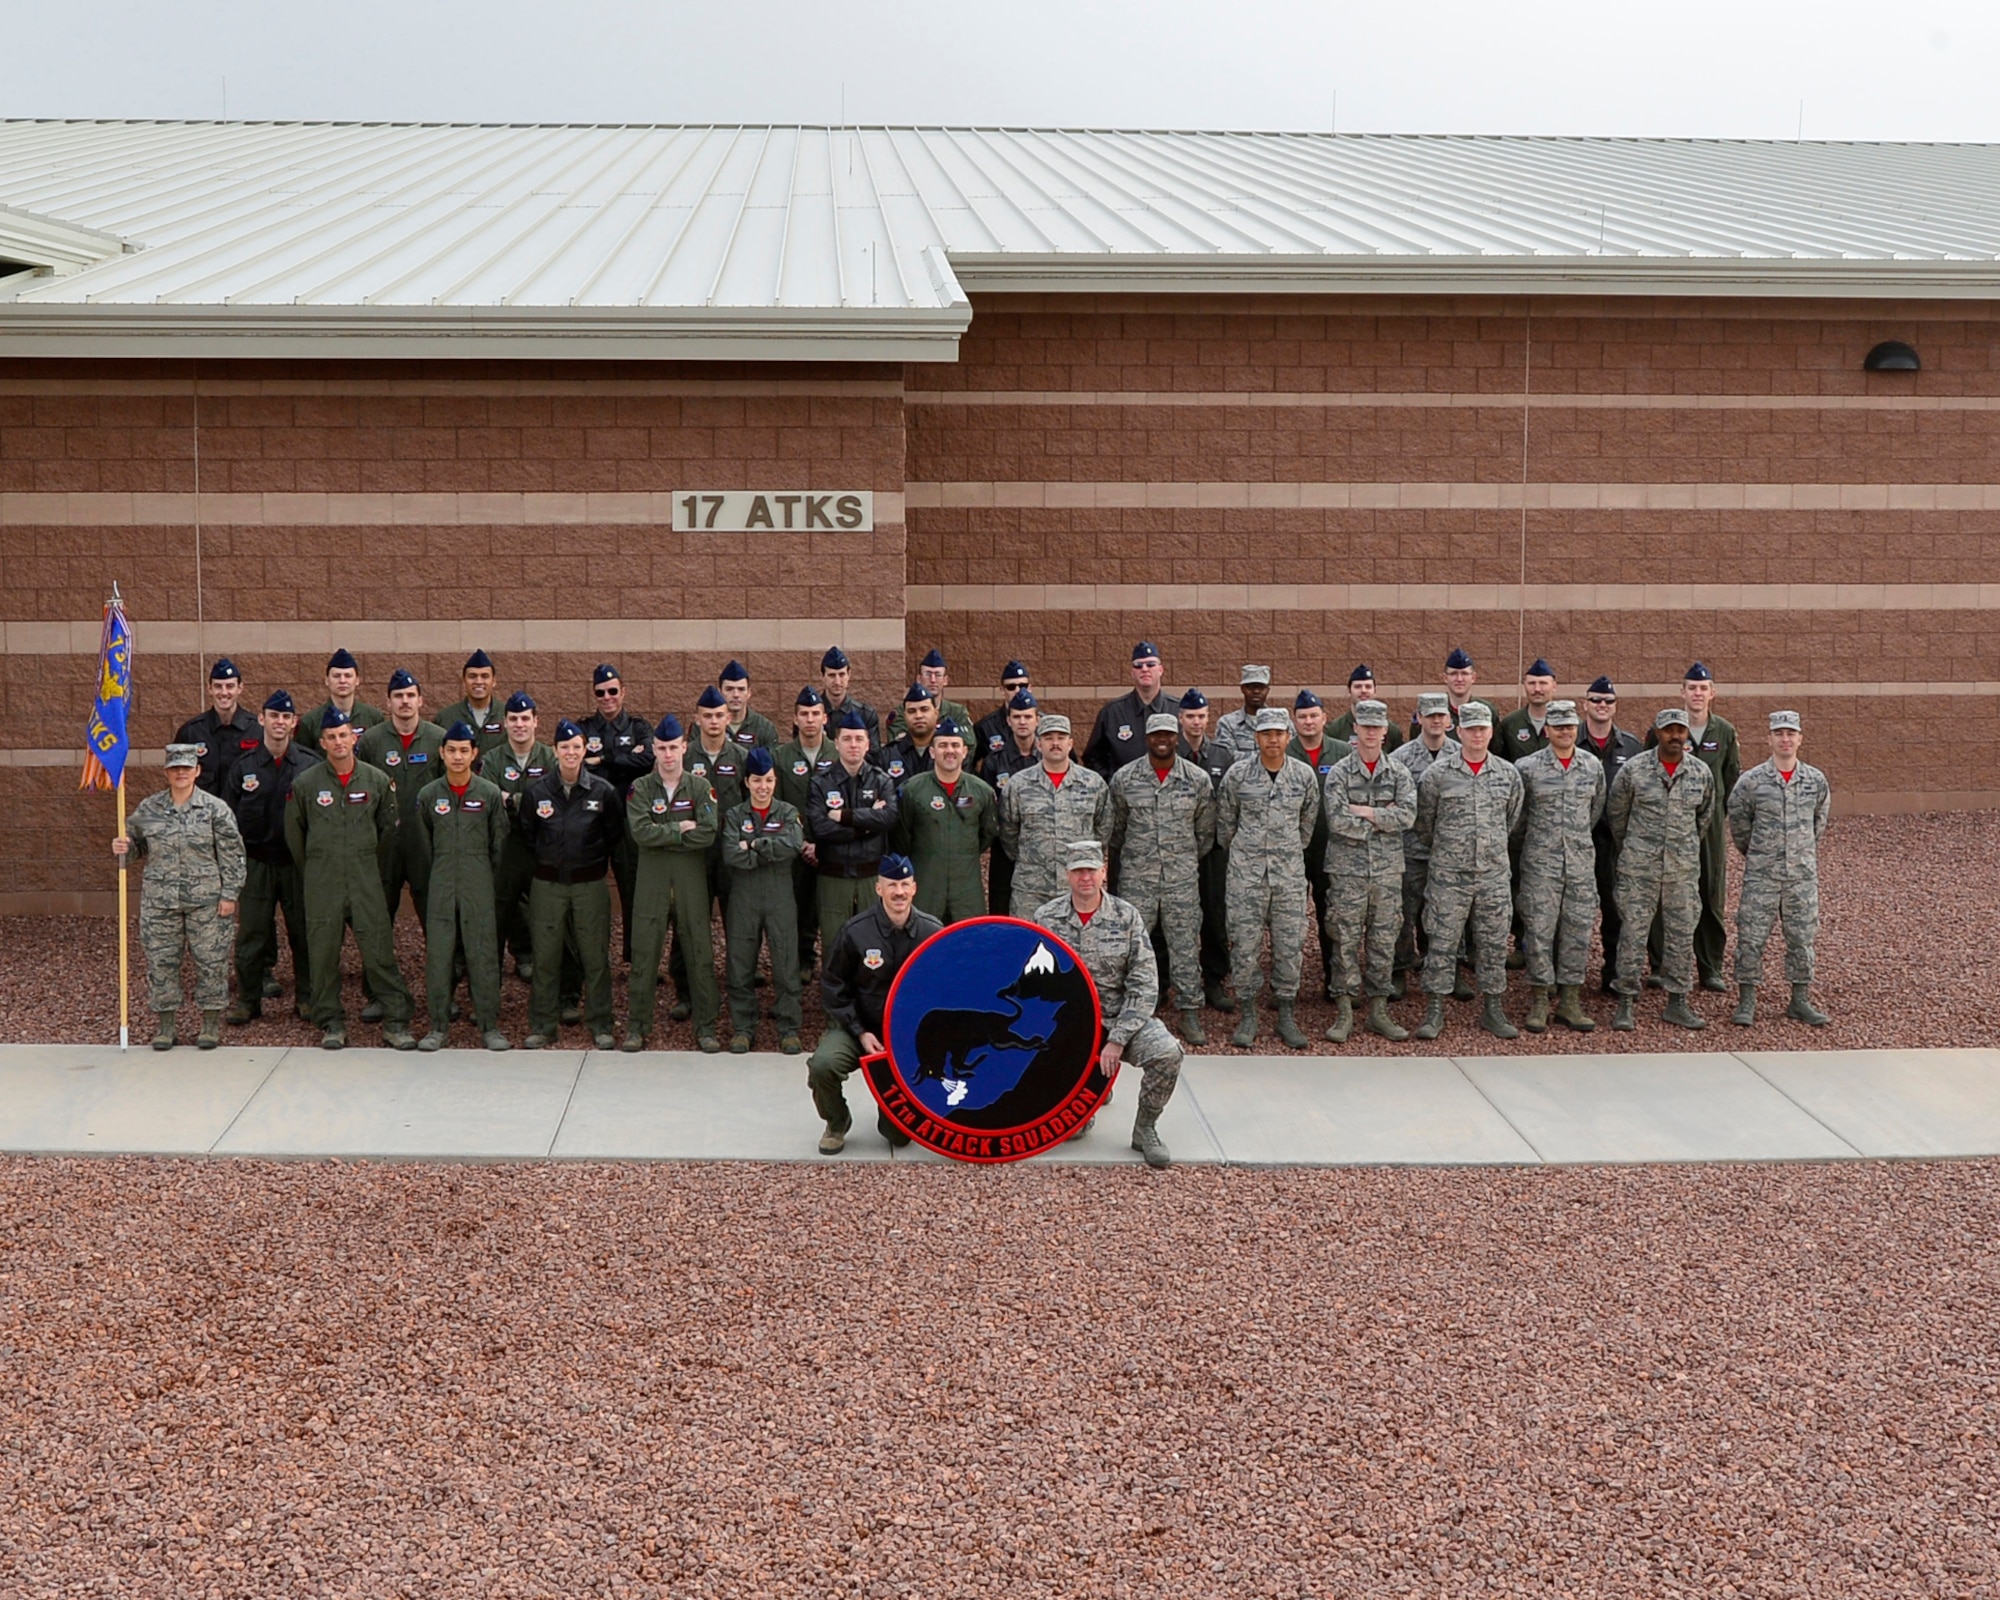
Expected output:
(545, 808)
(872, 961)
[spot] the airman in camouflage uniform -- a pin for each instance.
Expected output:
(1265, 813)
(1369, 801)
(1045, 809)
(1020, 751)
(194, 871)
(1777, 812)
(1467, 806)
(1563, 796)
(1119, 957)
(1431, 737)
(1237, 729)
(1659, 810)
(1162, 824)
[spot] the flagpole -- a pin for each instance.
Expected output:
(124, 954)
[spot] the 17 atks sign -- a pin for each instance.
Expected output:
(774, 511)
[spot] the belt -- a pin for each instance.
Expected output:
(569, 874)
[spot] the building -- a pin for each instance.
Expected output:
(1299, 398)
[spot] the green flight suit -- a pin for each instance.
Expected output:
(459, 840)
(516, 872)
(338, 833)
(364, 716)
(945, 835)
(489, 731)
(411, 767)
(671, 890)
(795, 769)
(758, 853)
(755, 732)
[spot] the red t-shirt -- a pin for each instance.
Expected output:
(458, 788)
(1786, 777)
(1476, 767)
(1056, 778)
(1085, 916)
(1371, 766)
(1312, 757)
(763, 814)
(1565, 760)
(407, 738)
(1163, 773)
(950, 789)
(1670, 767)
(344, 777)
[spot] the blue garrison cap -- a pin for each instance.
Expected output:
(1145, 650)
(757, 761)
(342, 659)
(478, 658)
(1698, 674)
(279, 700)
(670, 728)
(402, 678)
(1602, 685)
(520, 700)
(223, 668)
(605, 673)
(1360, 672)
(809, 696)
(711, 698)
(854, 720)
(335, 718)
(917, 691)
(949, 729)
(1538, 668)
(1457, 661)
(895, 867)
(932, 658)
(1306, 698)
(460, 733)
(735, 672)
(835, 660)
(1194, 700)
(1013, 670)
(1022, 700)
(565, 729)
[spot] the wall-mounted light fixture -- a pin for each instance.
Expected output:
(1892, 355)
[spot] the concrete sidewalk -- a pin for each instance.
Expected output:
(1253, 1110)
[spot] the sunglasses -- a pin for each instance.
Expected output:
(607, 694)
(1600, 700)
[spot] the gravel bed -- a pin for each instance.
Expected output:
(256, 1379)
(1904, 961)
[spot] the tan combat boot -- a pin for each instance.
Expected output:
(1569, 1009)
(1537, 1019)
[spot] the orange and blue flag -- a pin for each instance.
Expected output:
(107, 739)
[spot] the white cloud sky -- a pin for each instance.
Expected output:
(1923, 69)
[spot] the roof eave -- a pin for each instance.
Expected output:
(565, 333)
(1731, 276)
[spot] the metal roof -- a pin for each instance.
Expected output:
(863, 242)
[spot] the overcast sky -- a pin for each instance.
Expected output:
(1915, 69)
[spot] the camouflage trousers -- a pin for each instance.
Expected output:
(1676, 898)
(1767, 899)
(168, 932)
(1279, 905)
(1364, 912)
(1461, 908)
(1556, 918)
(1416, 880)
(1157, 1055)
(1176, 912)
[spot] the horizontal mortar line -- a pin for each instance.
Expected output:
(1421, 399)
(700, 388)
(1576, 597)
(1224, 696)
(1433, 495)
(589, 635)
(475, 507)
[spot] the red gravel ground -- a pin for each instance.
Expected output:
(1905, 956)
(253, 1379)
